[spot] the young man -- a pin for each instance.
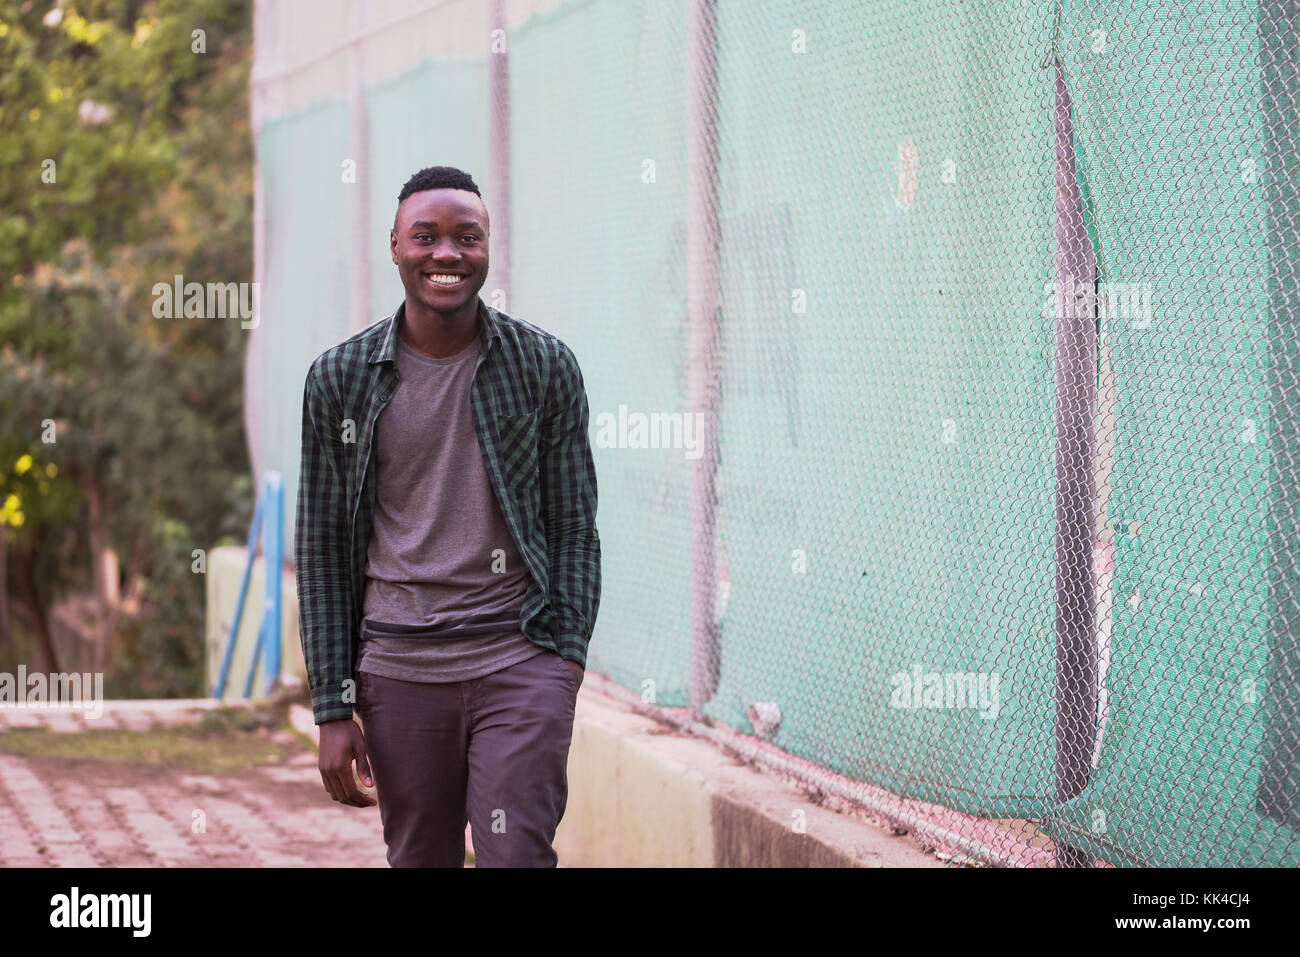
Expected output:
(448, 564)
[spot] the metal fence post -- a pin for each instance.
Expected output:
(702, 263)
(499, 156)
(359, 148)
(1076, 403)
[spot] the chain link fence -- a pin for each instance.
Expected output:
(941, 361)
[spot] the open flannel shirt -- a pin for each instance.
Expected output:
(530, 413)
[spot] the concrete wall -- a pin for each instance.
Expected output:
(642, 795)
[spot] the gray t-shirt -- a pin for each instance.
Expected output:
(445, 582)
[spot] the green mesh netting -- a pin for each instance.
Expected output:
(1168, 109)
(887, 472)
(304, 294)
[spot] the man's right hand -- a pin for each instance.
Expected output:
(341, 742)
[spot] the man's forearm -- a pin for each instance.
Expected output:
(324, 621)
(575, 591)
(569, 511)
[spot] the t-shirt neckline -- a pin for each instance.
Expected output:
(470, 347)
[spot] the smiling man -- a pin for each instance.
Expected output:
(448, 565)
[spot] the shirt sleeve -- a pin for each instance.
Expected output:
(568, 479)
(322, 541)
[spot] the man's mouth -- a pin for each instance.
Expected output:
(444, 280)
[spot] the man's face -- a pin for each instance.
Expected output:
(440, 235)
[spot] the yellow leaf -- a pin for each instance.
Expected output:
(143, 29)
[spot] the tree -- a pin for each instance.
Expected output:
(126, 161)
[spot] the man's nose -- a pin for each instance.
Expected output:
(445, 249)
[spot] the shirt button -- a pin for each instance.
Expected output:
(383, 397)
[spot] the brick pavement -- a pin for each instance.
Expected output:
(57, 812)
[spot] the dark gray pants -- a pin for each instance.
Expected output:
(491, 751)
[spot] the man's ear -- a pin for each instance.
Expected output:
(392, 244)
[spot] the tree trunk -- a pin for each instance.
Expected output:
(28, 606)
(104, 570)
(134, 583)
(4, 585)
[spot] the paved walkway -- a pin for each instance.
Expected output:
(58, 812)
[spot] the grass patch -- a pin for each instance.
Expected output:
(225, 739)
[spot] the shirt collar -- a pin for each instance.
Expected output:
(386, 349)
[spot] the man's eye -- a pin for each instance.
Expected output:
(422, 236)
(472, 238)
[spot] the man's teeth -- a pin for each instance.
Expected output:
(445, 280)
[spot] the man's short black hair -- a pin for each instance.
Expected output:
(439, 177)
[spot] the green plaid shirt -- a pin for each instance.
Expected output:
(530, 412)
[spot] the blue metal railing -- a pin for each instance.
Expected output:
(268, 518)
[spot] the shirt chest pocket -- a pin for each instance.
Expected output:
(517, 439)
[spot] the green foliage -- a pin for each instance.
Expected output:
(151, 177)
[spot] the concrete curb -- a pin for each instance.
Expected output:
(643, 795)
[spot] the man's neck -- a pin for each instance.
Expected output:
(436, 334)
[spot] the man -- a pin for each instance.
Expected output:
(447, 555)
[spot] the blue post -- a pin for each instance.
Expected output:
(268, 629)
(272, 536)
(253, 528)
